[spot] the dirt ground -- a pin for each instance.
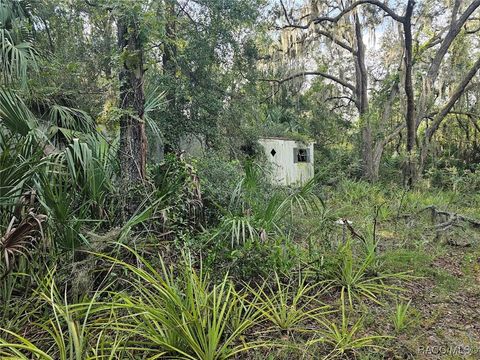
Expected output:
(449, 322)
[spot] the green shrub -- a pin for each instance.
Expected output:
(345, 339)
(288, 307)
(219, 179)
(176, 181)
(253, 259)
(400, 317)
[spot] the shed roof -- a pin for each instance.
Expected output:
(284, 138)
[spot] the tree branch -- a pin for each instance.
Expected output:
(349, 98)
(459, 91)
(454, 30)
(336, 41)
(315, 73)
(184, 10)
(285, 12)
(393, 134)
(335, 19)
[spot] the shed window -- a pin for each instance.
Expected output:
(301, 155)
(273, 152)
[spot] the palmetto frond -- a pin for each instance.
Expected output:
(154, 100)
(18, 237)
(15, 115)
(17, 53)
(63, 117)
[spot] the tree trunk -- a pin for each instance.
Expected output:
(367, 154)
(376, 159)
(434, 126)
(133, 140)
(427, 98)
(170, 66)
(361, 92)
(170, 47)
(410, 167)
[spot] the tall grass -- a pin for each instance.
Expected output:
(71, 332)
(400, 317)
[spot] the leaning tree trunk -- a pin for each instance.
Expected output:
(427, 98)
(133, 141)
(442, 114)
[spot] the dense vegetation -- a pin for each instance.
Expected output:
(138, 219)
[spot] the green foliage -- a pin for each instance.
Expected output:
(70, 334)
(77, 187)
(355, 277)
(68, 123)
(15, 115)
(288, 307)
(400, 317)
(17, 54)
(18, 167)
(183, 315)
(176, 180)
(59, 203)
(237, 293)
(219, 179)
(345, 339)
(250, 218)
(454, 178)
(254, 259)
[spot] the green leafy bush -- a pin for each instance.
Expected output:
(219, 179)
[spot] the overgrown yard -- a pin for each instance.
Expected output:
(352, 270)
(442, 318)
(239, 179)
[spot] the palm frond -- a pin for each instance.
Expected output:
(63, 117)
(15, 115)
(154, 100)
(17, 54)
(18, 237)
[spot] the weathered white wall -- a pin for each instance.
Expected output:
(285, 170)
(193, 145)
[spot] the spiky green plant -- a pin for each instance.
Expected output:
(347, 337)
(65, 214)
(17, 54)
(183, 315)
(252, 217)
(91, 171)
(400, 317)
(353, 276)
(72, 332)
(63, 117)
(15, 115)
(288, 307)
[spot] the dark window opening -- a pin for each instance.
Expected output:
(273, 152)
(302, 155)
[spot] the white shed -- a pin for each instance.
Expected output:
(292, 160)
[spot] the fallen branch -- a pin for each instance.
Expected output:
(452, 217)
(449, 216)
